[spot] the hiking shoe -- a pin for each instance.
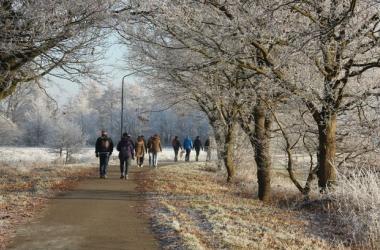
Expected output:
(126, 177)
(104, 176)
(122, 177)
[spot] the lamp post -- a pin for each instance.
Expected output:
(122, 103)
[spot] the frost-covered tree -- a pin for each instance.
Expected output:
(66, 136)
(41, 35)
(9, 132)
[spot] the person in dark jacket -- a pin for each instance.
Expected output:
(150, 152)
(103, 150)
(126, 150)
(176, 146)
(197, 146)
(187, 145)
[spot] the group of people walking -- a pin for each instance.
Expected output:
(130, 150)
(188, 145)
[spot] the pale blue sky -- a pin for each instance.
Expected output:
(61, 90)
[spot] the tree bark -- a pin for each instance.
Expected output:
(263, 122)
(326, 152)
(228, 157)
(220, 141)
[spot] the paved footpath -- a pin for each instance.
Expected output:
(97, 214)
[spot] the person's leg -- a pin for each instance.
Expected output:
(197, 154)
(142, 161)
(150, 159)
(187, 157)
(156, 159)
(122, 168)
(103, 162)
(175, 155)
(128, 163)
(106, 160)
(100, 166)
(208, 154)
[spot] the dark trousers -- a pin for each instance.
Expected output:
(140, 160)
(125, 163)
(103, 160)
(197, 150)
(176, 154)
(187, 156)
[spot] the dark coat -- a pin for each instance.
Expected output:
(176, 144)
(198, 144)
(104, 144)
(126, 148)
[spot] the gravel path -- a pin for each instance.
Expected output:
(97, 214)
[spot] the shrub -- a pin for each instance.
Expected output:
(356, 202)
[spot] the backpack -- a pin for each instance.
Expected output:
(126, 149)
(105, 144)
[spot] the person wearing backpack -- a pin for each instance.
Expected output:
(126, 150)
(103, 150)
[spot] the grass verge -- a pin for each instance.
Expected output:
(192, 207)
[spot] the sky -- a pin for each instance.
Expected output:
(62, 90)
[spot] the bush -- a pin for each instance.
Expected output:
(356, 201)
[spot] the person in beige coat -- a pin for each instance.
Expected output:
(140, 151)
(155, 147)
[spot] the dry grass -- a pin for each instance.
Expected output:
(25, 190)
(193, 208)
(356, 208)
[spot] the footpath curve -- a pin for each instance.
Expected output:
(96, 214)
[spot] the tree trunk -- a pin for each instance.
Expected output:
(263, 122)
(228, 157)
(67, 156)
(220, 141)
(326, 152)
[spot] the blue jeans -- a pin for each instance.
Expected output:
(125, 163)
(150, 159)
(154, 159)
(187, 156)
(103, 159)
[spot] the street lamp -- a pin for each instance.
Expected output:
(122, 103)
